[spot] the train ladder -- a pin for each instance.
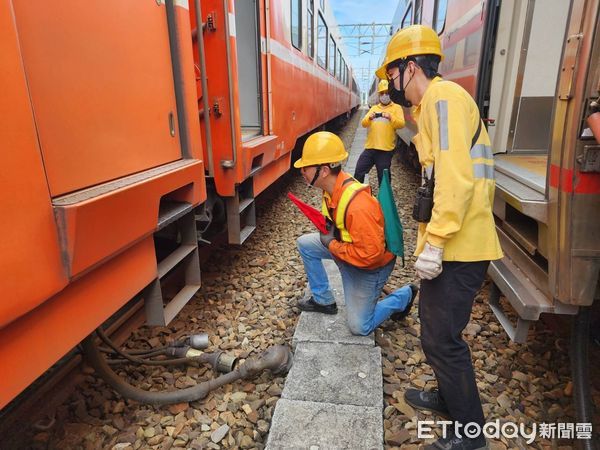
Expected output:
(184, 258)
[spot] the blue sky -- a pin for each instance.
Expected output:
(362, 12)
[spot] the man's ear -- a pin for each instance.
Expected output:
(415, 67)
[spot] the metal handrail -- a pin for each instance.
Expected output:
(203, 79)
(228, 164)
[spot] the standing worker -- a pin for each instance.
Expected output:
(457, 236)
(382, 120)
(355, 241)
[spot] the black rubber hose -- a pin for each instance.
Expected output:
(142, 359)
(138, 352)
(277, 359)
(159, 362)
(580, 335)
(117, 350)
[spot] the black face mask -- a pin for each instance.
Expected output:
(399, 95)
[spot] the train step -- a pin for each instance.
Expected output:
(183, 258)
(517, 189)
(170, 211)
(260, 144)
(524, 297)
(241, 213)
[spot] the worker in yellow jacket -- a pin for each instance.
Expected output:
(382, 121)
(457, 236)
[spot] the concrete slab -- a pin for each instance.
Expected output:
(333, 395)
(323, 426)
(316, 327)
(336, 373)
(358, 145)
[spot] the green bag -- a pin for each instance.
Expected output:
(393, 226)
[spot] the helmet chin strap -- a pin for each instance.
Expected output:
(317, 172)
(402, 91)
(402, 79)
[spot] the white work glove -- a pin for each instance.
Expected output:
(429, 262)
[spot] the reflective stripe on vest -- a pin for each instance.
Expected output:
(352, 188)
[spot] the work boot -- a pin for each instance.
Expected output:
(429, 401)
(456, 443)
(312, 306)
(403, 314)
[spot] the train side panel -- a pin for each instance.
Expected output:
(462, 42)
(85, 193)
(74, 78)
(31, 261)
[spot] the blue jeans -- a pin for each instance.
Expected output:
(362, 287)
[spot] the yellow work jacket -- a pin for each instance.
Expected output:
(382, 132)
(461, 222)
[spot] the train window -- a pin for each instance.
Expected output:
(310, 29)
(296, 23)
(322, 42)
(331, 55)
(407, 19)
(322, 5)
(338, 71)
(439, 15)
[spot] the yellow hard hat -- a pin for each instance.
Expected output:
(411, 41)
(382, 86)
(322, 147)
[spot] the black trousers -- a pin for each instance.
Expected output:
(370, 157)
(445, 305)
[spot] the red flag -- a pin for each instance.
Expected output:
(314, 215)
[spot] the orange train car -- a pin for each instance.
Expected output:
(125, 124)
(100, 150)
(273, 71)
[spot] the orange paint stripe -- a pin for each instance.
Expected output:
(569, 180)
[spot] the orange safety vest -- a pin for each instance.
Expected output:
(351, 187)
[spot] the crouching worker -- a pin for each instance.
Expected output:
(355, 242)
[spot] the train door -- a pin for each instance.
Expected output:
(484, 76)
(525, 72)
(526, 63)
(248, 64)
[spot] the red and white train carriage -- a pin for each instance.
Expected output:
(533, 68)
